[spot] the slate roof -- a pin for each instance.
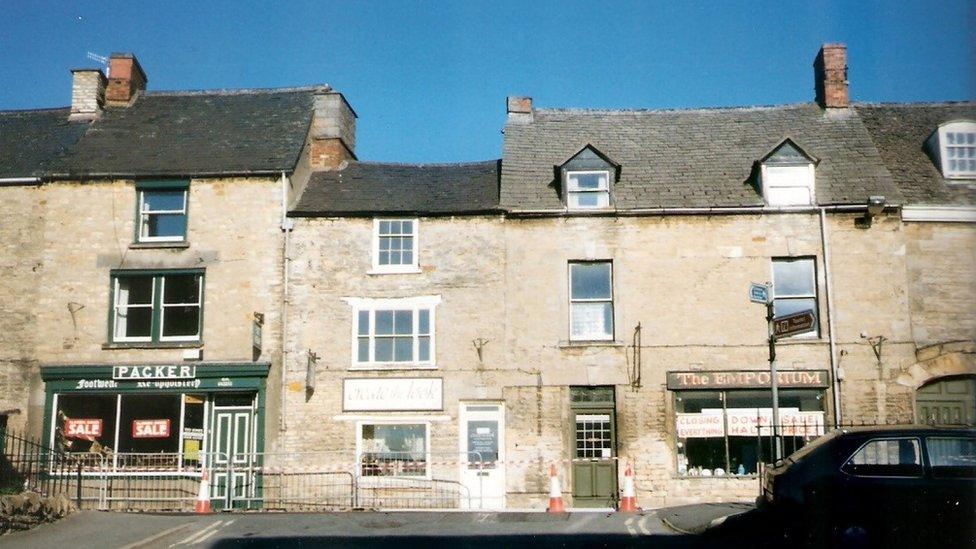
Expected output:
(365, 188)
(196, 134)
(32, 142)
(690, 158)
(899, 132)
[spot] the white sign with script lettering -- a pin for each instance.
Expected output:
(399, 394)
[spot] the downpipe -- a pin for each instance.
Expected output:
(831, 340)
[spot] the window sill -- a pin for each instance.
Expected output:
(153, 345)
(157, 245)
(391, 367)
(591, 343)
(407, 270)
(801, 341)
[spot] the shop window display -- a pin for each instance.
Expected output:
(723, 433)
(393, 449)
(133, 430)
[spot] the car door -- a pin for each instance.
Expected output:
(882, 485)
(952, 485)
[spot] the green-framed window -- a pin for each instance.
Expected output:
(161, 211)
(156, 306)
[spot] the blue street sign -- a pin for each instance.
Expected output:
(759, 293)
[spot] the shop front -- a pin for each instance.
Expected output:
(723, 420)
(164, 419)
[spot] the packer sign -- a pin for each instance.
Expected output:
(85, 429)
(150, 428)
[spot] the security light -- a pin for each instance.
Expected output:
(876, 205)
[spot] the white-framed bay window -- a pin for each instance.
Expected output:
(587, 189)
(395, 245)
(393, 333)
(393, 448)
(590, 300)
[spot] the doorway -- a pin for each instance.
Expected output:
(232, 449)
(947, 401)
(594, 449)
(482, 455)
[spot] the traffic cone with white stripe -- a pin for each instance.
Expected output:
(202, 506)
(555, 492)
(628, 500)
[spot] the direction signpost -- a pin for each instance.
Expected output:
(778, 327)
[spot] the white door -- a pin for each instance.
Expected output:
(483, 455)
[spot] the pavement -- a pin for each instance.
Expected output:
(696, 519)
(402, 530)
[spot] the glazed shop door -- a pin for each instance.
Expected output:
(233, 435)
(594, 466)
(482, 459)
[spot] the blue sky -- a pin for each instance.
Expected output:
(429, 79)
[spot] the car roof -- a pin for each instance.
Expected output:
(909, 429)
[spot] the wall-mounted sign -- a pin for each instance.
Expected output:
(749, 379)
(86, 429)
(154, 372)
(257, 331)
(398, 394)
(150, 428)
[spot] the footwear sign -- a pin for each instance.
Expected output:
(83, 429)
(150, 428)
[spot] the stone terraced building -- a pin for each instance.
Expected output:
(582, 302)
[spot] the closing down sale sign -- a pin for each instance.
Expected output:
(86, 429)
(150, 428)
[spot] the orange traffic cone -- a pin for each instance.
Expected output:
(202, 506)
(628, 500)
(555, 492)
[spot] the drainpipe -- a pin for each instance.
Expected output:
(286, 226)
(825, 248)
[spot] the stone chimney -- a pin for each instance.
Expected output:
(125, 80)
(332, 139)
(87, 93)
(519, 109)
(830, 73)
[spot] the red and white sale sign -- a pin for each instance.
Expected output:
(150, 428)
(87, 429)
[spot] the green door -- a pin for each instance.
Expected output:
(232, 433)
(947, 402)
(594, 466)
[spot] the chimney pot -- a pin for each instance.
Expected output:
(830, 76)
(125, 79)
(87, 93)
(332, 139)
(519, 105)
(519, 109)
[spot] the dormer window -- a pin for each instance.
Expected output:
(587, 179)
(787, 176)
(955, 145)
(587, 190)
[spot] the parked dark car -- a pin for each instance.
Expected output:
(904, 486)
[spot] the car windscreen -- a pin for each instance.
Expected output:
(811, 446)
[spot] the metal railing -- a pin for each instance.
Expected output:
(249, 481)
(26, 465)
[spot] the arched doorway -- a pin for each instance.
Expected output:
(947, 401)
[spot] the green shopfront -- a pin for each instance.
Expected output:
(173, 419)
